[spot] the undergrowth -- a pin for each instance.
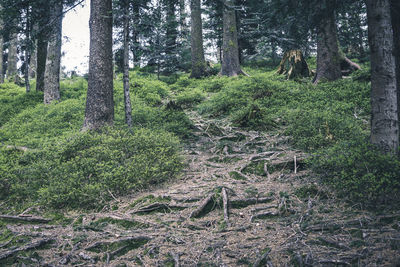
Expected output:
(65, 168)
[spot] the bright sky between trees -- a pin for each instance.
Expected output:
(76, 39)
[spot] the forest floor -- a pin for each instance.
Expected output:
(245, 199)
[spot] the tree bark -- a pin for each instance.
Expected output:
(384, 119)
(328, 57)
(41, 51)
(127, 98)
(395, 8)
(294, 65)
(171, 33)
(32, 65)
(53, 60)
(12, 70)
(1, 50)
(230, 47)
(135, 34)
(100, 102)
(198, 61)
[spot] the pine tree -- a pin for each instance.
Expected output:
(384, 119)
(198, 61)
(100, 101)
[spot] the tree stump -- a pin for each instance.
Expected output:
(293, 65)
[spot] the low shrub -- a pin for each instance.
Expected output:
(359, 172)
(85, 170)
(14, 99)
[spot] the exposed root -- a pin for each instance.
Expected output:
(33, 245)
(25, 218)
(225, 201)
(205, 206)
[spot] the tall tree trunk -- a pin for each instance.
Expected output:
(32, 66)
(328, 57)
(171, 34)
(230, 47)
(182, 20)
(127, 98)
(28, 49)
(100, 101)
(198, 61)
(384, 119)
(53, 60)
(395, 8)
(41, 51)
(12, 58)
(1, 50)
(135, 34)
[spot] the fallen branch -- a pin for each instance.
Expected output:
(242, 203)
(25, 218)
(225, 201)
(33, 245)
(204, 207)
(19, 148)
(263, 215)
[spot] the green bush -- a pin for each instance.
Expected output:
(359, 171)
(86, 169)
(43, 122)
(190, 97)
(14, 99)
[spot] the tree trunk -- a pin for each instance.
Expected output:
(384, 120)
(171, 34)
(12, 58)
(41, 51)
(230, 47)
(28, 49)
(293, 65)
(328, 57)
(53, 60)
(1, 50)
(127, 98)
(198, 61)
(182, 20)
(395, 8)
(100, 102)
(32, 66)
(135, 34)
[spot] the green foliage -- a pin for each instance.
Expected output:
(75, 87)
(43, 122)
(14, 100)
(190, 97)
(151, 91)
(359, 171)
(85, 169)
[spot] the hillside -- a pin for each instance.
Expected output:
(246, 171)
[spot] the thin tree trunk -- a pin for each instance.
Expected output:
(230, 47)
(41, 52)
(32, 65)
(171, 35)
(1, 50)
(100, 101)
(395, 8)
(328, 57)
(12, 58)
(198, 61)
(135, 34)
(53, 60)
(127, 98)
(384, 120)
(28, 48)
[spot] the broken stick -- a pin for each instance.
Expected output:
(225, 201)
(204, 206)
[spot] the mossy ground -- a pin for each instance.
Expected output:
(193, 137)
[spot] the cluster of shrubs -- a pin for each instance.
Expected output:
(46, 159)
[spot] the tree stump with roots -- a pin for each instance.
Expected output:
(293, 65)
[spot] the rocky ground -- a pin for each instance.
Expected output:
(245, 199)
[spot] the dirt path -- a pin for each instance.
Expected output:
(245, 199)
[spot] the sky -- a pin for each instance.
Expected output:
(76, 36)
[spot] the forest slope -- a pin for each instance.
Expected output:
(244, 140)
